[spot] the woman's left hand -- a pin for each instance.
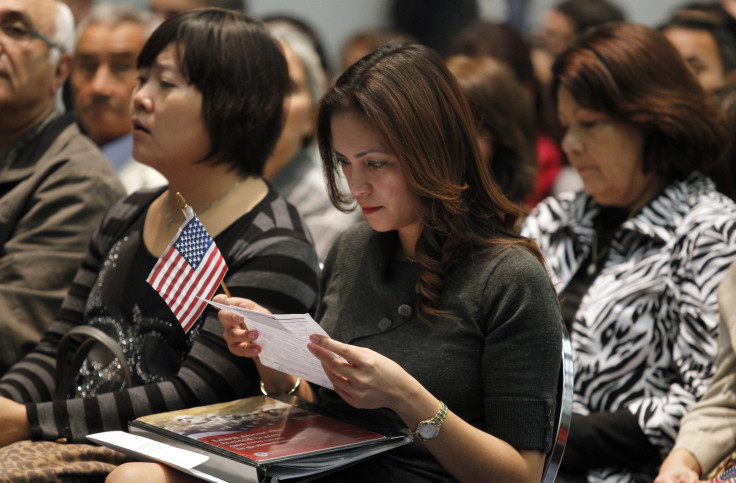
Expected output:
(240, 341)
(363, 378)
(368, 380)
(13, 422)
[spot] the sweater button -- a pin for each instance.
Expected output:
(405, 310)
(384, 324)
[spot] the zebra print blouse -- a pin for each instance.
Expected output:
(645, 335)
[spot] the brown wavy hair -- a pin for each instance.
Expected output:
(406, 92)
(632, 73)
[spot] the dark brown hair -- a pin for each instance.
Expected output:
(498, 40)
(366, 41)
(723, 173)
(242, 75)
(502, 109)
(632, 73)
(406, 92)
(589, 13)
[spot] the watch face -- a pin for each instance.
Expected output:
(427, 431)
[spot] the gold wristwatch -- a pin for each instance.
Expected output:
(430, 428)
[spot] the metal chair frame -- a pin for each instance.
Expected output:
(564, 411)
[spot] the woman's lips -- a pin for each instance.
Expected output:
(367, 210)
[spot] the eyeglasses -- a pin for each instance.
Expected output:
(20, 33)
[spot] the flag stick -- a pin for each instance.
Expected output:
(183, 205)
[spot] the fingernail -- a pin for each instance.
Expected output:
(314, 338)
(252, 335)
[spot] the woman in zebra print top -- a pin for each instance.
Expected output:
(638, 254)
(206, 113)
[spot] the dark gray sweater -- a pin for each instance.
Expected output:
(496, 367)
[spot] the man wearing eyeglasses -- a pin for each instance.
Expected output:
(55, 184)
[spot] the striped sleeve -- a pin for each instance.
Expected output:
(272, 261)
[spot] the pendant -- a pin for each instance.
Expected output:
(592, 269)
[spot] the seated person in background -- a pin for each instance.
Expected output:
(436, 298)
(55, 184)
(504, 115)
(638, 254)
(704, 35)
(569, 18)
(102, 79)
(723, 174)
(432, 23)
(165, 9)
(200, 75)
(706, 435)
(706, 44)
(560, 25)
(306, 29)
(503, 42)
(294, 169)
(365, 42)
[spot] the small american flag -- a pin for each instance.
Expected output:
(728, 476)
(191, 267)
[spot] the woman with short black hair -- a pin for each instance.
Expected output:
(206, 113)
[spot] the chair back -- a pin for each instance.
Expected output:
(563, 411)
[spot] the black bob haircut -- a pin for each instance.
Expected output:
(242, 75)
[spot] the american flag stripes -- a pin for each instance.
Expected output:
(191, 267)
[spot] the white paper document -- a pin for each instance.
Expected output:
(144, 448)
(283, 339)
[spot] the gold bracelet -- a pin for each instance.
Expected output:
(291, 391)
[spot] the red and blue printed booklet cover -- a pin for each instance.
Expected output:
(260, 430)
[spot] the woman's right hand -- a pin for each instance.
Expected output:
(680, 466)
(240, 341)
(678, 475)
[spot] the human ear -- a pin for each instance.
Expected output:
(61, 71)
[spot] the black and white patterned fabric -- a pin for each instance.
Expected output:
(645, 335)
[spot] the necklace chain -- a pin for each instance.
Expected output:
(170, 220)
(595, 256)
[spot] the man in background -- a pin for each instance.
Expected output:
(706, 43)
(55, 184)
(102, 80)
